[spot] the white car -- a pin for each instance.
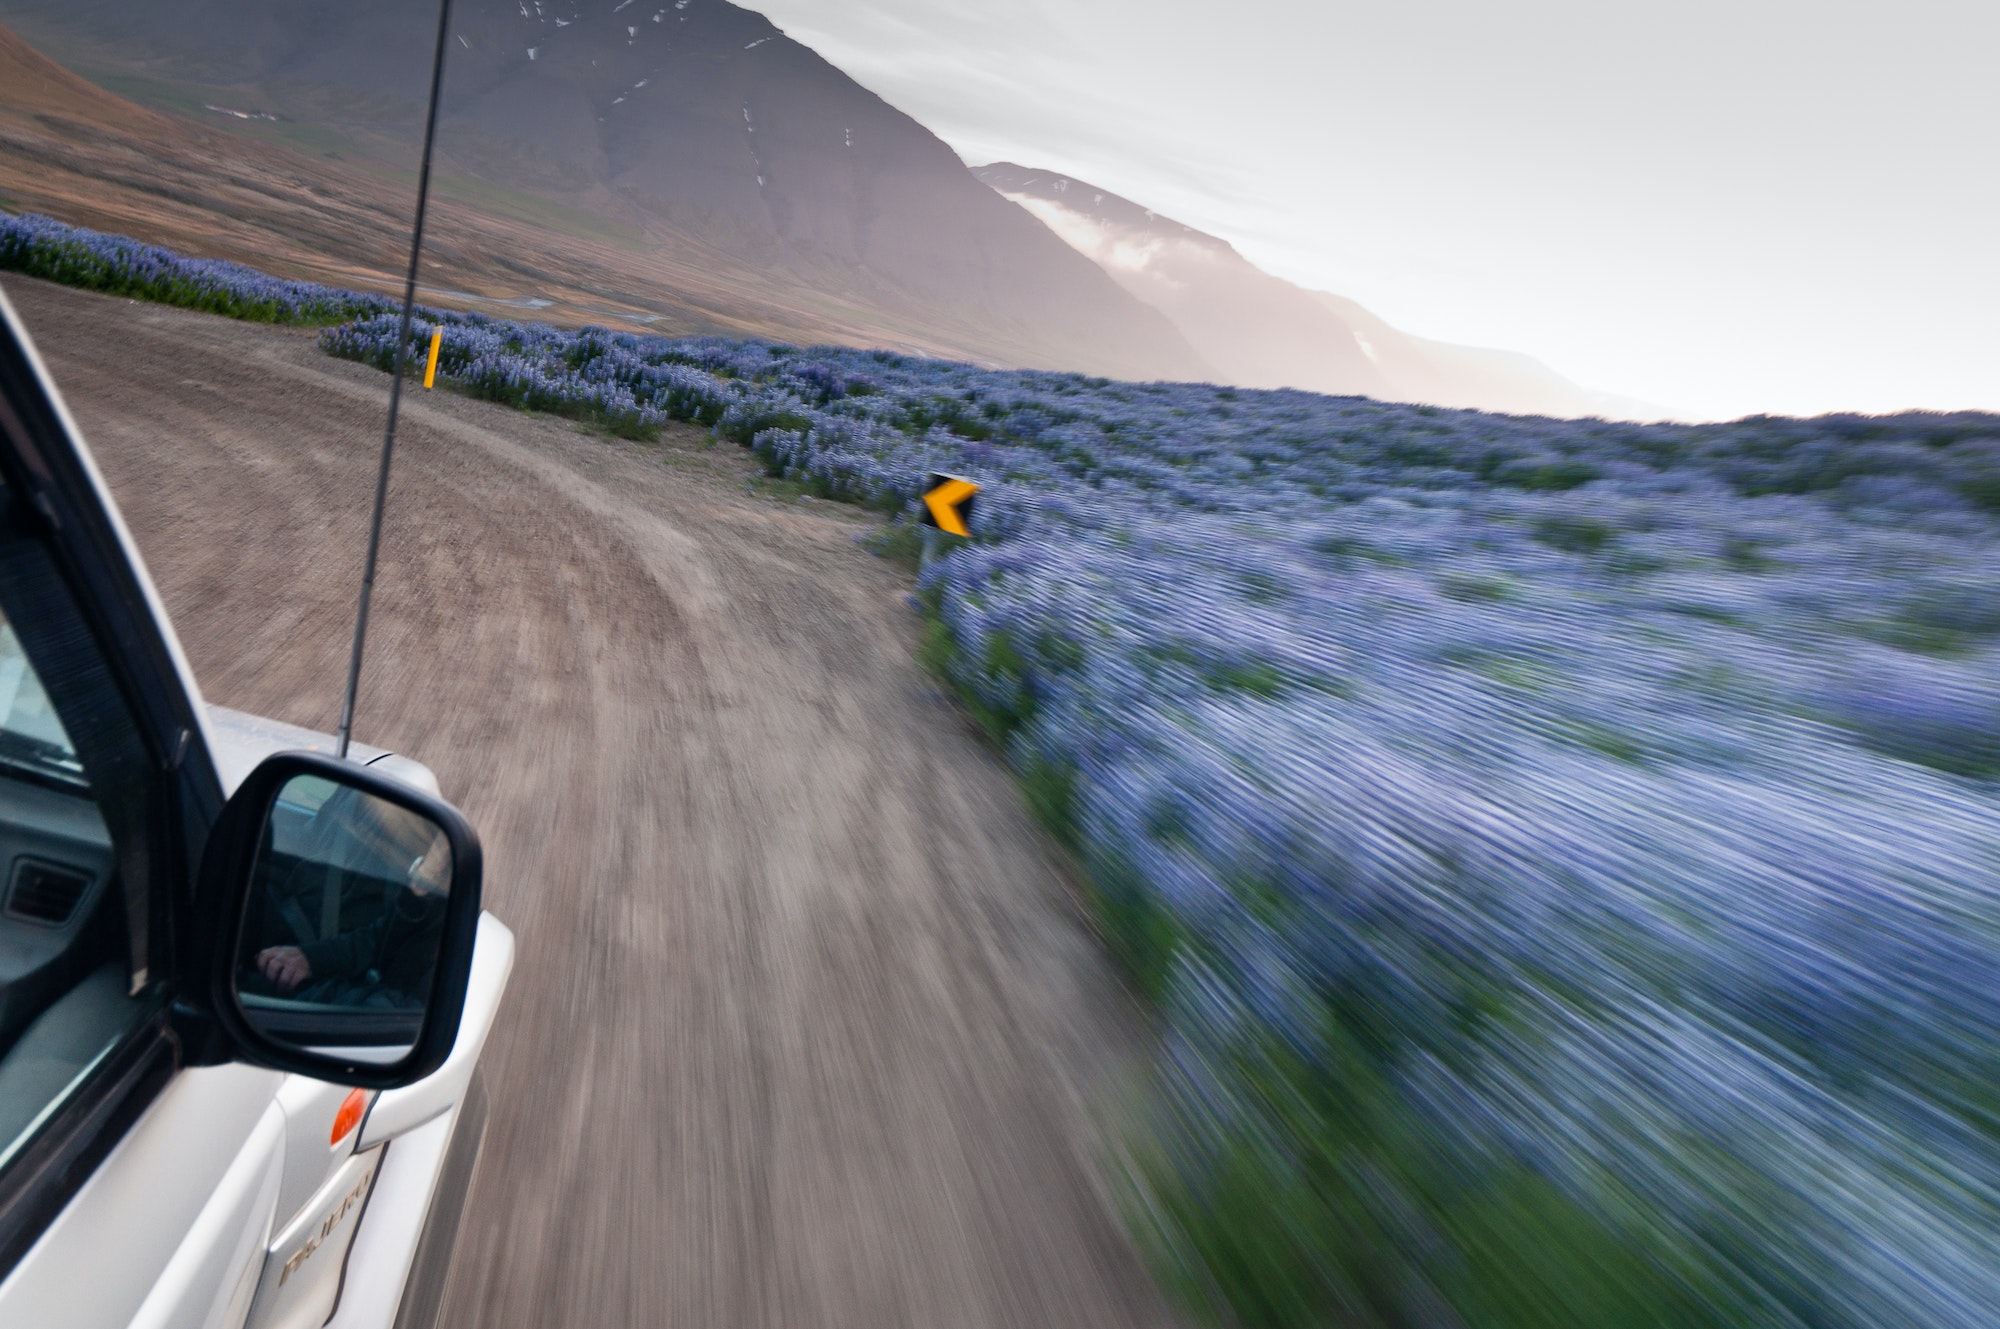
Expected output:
(244, 986)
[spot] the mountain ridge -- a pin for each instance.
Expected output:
(667, 165)
(696, 124)
(1261, 331)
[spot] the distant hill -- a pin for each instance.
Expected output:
(38, 85)
(71, 149)
(1260, 331)
(694, 129)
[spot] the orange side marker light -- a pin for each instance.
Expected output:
(431, 369)
(349, 1116)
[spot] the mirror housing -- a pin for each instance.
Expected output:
(317, 857)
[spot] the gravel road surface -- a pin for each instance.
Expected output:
(806, 1026)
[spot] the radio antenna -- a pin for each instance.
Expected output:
(395, 389)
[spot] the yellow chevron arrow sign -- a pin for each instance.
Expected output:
(948, 504)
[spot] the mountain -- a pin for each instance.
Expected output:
(691, 133)
(39, 86)
(72, 150)
(1260, 331)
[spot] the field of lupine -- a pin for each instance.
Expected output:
(38, 246)
(1565, 856)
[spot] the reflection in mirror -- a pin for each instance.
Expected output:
(346, 913)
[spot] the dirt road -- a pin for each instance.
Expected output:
(805, 1027)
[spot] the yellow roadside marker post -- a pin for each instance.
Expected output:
(431, 369)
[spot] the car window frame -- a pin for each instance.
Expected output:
(61, 503)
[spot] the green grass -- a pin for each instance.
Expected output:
(1609, 742)
(1258, 678)
(1466, 587)
(539, 211)
(1342, 550)
(159, 94)
(1575, 535)
(1743, 554)
(317, 140)
(901, 543)
(1553, 477)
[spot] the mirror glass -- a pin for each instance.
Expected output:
(346, 913)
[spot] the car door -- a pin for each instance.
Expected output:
(133, 1190)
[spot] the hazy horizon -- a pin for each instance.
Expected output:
(1719, 209)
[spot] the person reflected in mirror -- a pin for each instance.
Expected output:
(386, 963)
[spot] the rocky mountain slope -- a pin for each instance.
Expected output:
(677, 165)
(694, 128)
(1260, 331)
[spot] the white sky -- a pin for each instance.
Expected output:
(1722, 206)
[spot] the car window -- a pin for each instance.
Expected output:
(66, 989)
(32, 738)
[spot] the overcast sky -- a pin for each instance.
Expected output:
(1722, 206)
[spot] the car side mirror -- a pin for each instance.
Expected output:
(341, 908)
